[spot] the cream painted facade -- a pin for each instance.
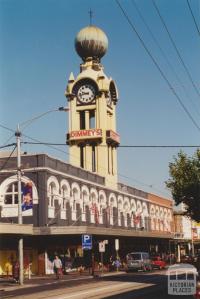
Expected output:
(92, 136)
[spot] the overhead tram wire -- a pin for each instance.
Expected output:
(157, 66)
(145, 184)
(7, 145)
(132, 180)
(55, 148)
(175, 47)
(164, 55)
(120, 175)
(120, 146)
(193, 17)
(5, 163)
(6, 128)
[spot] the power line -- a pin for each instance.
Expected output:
(55, 148)
(164, 55)
(7, 145)
(6, 128)
(158, 67)
(119, 174)
(5, 163)
(175, 47)
(122, 146)
(49, 145)
(193, 17)
(161, 146)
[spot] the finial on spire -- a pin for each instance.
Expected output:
(91, 15)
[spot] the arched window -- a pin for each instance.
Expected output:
(84, 199)
(75, 198)
(52, 192)
(11, 193)
(64, 196)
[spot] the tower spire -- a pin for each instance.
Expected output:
(91, 15)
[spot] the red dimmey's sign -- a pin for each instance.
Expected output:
(113, 136)
(82, 134)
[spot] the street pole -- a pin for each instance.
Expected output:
(20, 244)
(93, 263)
(102, 263)
(18, 141)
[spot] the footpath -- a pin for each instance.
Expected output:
(8, 284)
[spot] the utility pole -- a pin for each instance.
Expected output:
(18, 134)
(20, 244)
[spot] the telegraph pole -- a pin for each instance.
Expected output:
(20, 244)
(18, 141)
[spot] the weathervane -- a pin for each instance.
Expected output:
(91, 15)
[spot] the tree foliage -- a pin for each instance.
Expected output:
(184, 182)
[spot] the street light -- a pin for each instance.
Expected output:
(20, 221)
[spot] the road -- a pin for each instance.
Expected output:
(121, 286)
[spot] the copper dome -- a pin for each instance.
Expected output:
(92, 42)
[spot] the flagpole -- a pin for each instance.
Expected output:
(20, 244)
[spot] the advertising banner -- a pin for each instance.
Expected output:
(27, 197)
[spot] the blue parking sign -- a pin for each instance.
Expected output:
(86, 241)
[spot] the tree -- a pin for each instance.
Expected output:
(184, 182)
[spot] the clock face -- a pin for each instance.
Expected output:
(86, 93)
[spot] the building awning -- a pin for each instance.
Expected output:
(79, 230)
(16, 229)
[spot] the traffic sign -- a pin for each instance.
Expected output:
(101, 246)
(86, 241)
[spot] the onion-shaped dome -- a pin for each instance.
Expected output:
(91, 42)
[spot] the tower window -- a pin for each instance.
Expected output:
(82, 120)
(112, 159)
(92, 119)
(93, 158)
(108, 159)
(82, 156)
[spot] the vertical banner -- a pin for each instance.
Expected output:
(27, 197)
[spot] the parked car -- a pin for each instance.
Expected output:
(138, 261)
(187, 259)
(197, 295)
(158, 263)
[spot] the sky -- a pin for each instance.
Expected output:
(37, 55)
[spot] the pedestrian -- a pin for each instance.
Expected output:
(117, 264)
(57, 266)
(111, 263)
(15, 271)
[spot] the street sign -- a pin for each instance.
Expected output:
(101, 246)
(86, 241)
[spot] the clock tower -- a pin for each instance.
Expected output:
(92, 97)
